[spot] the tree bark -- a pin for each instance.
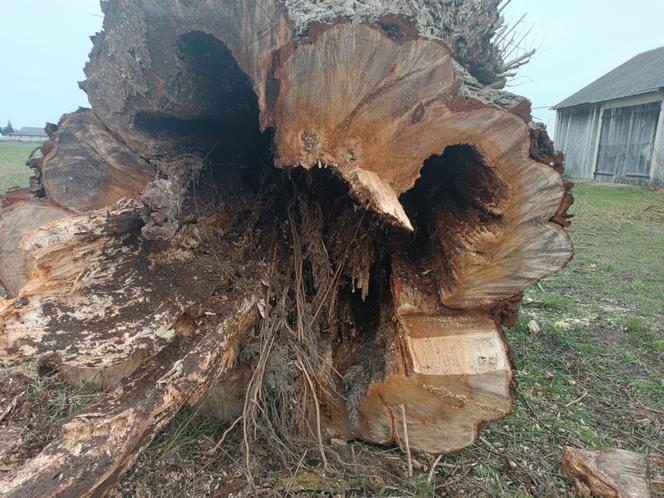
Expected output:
(410, 206)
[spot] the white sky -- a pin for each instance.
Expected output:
(579, 41)
(44, 45)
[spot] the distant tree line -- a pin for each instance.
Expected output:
(7, 129)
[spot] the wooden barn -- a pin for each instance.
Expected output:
(613, 129)
(26, 134)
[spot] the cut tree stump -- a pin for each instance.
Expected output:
(327, 207)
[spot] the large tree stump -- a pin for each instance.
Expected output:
(348, 177)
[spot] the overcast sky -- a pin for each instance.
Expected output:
(580, 40)
(44, 45)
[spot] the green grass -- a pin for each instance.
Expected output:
(13, 171)
(180, 438)
(59, 401)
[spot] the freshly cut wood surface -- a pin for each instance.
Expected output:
(453, 374)
(610, 473)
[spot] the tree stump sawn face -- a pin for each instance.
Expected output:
(249, 176)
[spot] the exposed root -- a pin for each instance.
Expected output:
(293, 377)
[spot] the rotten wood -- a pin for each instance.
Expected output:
(410, 206)
(97, 446)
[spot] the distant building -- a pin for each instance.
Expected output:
(26, 134)
(613, 129)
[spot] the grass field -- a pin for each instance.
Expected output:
(590, 374)
(13, 171)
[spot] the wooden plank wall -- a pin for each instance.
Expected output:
(578, 132)
(657, 176)
(576, 135)
(626, 144)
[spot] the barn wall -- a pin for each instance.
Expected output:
(578, 131)
(657, 174)
(576, 135)
(636, 100)
(657, 165)
(627, 143)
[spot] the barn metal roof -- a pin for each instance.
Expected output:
(641, 74)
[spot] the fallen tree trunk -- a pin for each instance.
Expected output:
(410, 206)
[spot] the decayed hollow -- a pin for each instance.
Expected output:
(409, 211)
